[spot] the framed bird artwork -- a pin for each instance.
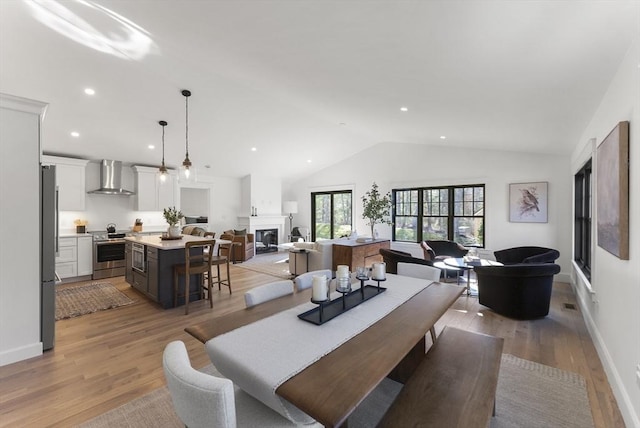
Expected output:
(528, 202)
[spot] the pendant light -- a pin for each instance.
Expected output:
(186, 164)
(163, 169)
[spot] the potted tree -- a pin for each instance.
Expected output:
(173, 217)
(376, 208)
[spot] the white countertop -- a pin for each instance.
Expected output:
(73, 235)
(156, 242)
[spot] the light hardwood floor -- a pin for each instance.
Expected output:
(106, 359)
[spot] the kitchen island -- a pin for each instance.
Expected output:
(149, 266)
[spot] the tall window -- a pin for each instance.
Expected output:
(332, 214)
(582, 221)
(452, 213)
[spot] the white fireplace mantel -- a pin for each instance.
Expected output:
(253, 223)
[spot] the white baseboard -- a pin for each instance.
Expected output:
(22, 353)
(629, 415)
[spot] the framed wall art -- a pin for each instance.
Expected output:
(612, 187)
(528, 202)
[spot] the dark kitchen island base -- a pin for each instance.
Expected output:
(157, 282)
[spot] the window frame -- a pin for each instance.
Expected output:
(450, 210)
(583, 218)
(331, 193)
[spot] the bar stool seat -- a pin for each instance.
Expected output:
(195, 262)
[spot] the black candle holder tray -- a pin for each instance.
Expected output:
(330, 309)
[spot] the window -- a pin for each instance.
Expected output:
(582, 221)
(452, 213)
(332, 214)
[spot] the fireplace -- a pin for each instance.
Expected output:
(266, 240)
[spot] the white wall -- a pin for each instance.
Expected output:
(612, 312)
(262, 192)
(403, 165)
(20, 282)
(194, 202)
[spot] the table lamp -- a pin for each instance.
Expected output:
(290, 207)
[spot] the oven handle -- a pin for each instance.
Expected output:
(98, 243)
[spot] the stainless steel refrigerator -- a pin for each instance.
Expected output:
(48, 250)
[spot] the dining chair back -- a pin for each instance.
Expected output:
(419, 271)
(197, 261)
(202, 400)
(199, 399)
(266, 292)
(305, 280)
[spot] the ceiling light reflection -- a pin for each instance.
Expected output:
(122, 38)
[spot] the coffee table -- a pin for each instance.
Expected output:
(467, 264)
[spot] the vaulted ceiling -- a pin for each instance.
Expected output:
(307, 83)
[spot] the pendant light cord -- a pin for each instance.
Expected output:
(187, 123)
(163, 143)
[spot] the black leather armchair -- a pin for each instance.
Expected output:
(515, 255)
(441, 250)
(392, 257)
(446, 249)
(520, 291)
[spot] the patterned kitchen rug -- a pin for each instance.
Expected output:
(74, 301)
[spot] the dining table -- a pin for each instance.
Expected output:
(310, 372)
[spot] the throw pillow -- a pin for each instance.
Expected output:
(240, 232)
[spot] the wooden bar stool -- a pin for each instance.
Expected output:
(221, 260)
(196, 262)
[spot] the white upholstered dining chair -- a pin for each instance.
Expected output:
(305, 280)
(266, 292)
(202, 400)
(419, 271)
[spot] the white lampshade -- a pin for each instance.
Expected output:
(290, 207)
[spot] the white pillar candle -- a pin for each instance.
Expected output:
(319, 286)
(379, 270)
(343, 271)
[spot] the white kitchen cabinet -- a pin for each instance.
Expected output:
(67, 258)
(152, 194)
(70, 179)
(85, 255)
(75, 257)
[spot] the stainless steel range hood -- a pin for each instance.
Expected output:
(111, 179)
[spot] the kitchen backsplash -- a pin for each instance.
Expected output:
(104, 209)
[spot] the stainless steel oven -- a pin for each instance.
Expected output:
(108, 255)
(138, 257)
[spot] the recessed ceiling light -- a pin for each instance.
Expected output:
(404, 109)
(89, 91)
(443, 137)
(151, 146)
(308, 160)
(253, 149)
(75, 134)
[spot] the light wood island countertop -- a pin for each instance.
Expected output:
(168, 244)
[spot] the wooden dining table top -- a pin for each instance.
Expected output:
(332, 387)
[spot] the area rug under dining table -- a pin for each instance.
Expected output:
(529, 395)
